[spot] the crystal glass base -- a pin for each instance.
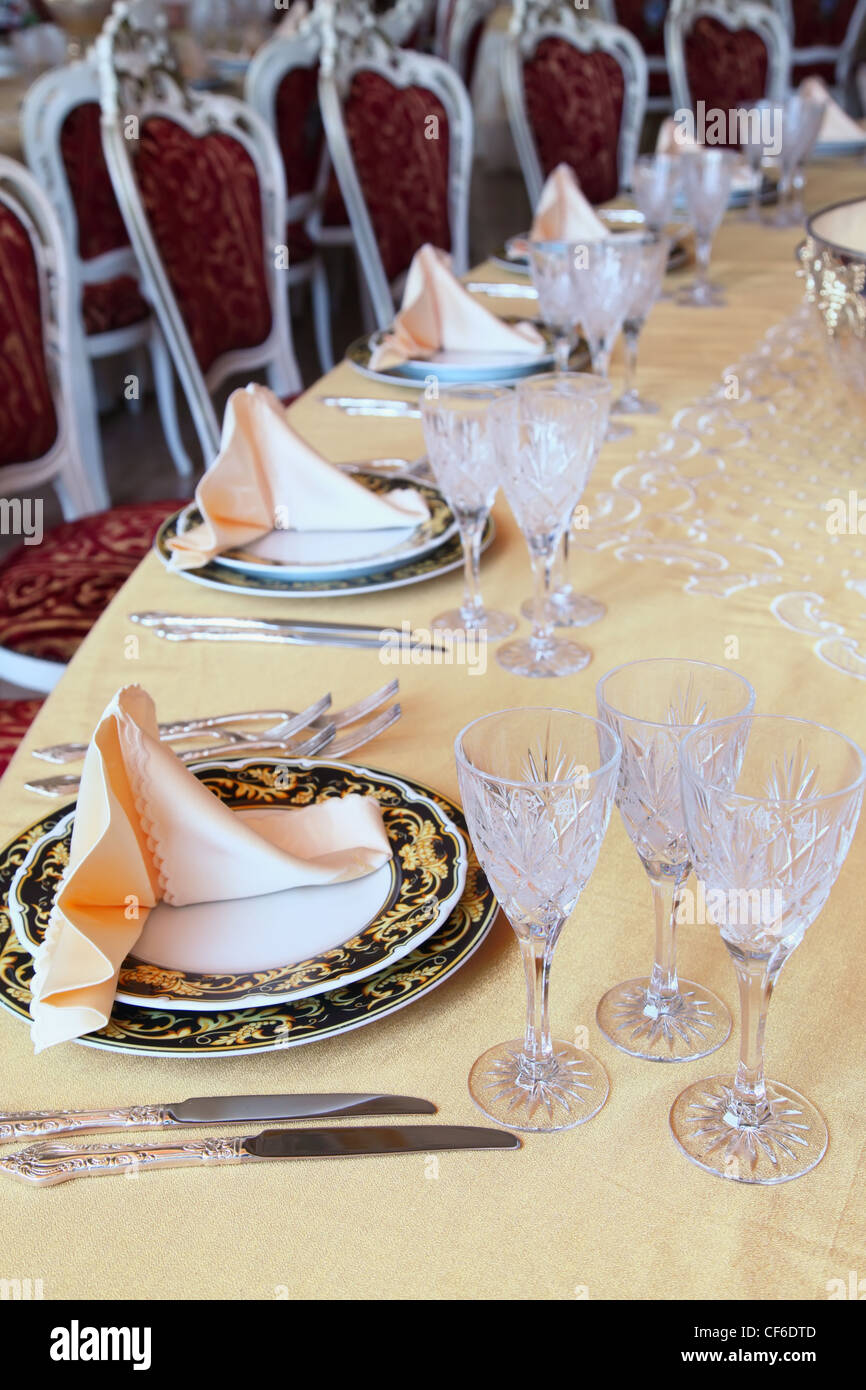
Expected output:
(633, 404)
(701, 296)
(511, 1091)
(788, 217)
(691, 1024)
(787, 1144)
(558, 657)
(491, 624)
(617, 431)
(567, 609)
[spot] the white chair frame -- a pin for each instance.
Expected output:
(467, 14)
(77, 480)
(531, 24)
(370, 51)
(841, 56)
(656, 62)
(46, 106)
(734, 15)
(138, 80)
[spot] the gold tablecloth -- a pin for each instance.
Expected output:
(609, 1210)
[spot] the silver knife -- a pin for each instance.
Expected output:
(372, 405)
(504, 289)
(43, 1165)
(205, 1110)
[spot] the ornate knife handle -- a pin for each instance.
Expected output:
(44, 1165)
(40, 1124)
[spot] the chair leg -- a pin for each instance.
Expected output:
(322, 314)
(166, 399)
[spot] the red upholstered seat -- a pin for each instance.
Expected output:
(402, 168)
(115, 303)
(51, 594)
(726, 68)
(574, 104)
(28, 423)
(16, 716)
(821, 23)
(202, 198)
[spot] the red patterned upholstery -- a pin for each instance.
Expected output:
(299, 128)
(726, 68)
(574, 104)
(28, 424)
(202, 198)
(115, 303)
(646, 20)
(403, 174)
(16, 716)
(52, 594)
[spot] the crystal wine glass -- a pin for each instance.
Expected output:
(760, 139)
(651, 266)
(655, 182)
(770, 805)
(460, 452)
(801, 125)
(537, 788)
(550, 265)
(605, 273)
(543, 441)
(568, 608)
(652, 705)
(707, 178)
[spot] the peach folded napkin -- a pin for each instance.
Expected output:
(438, 314)
(837, 126)
(564, 213)
(673, 137)
(266, 478)
(146, 830)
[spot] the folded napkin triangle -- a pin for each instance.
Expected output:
(146, 830)
(266, 478)
(564, 213)
(439, 314)
(836, 124)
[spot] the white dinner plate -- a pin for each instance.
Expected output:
(838, 149)
(503, 368)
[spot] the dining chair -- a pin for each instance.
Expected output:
(725, 53)
(200, 183)
(646, 20)
(399, 129)
(824, 37)
(576, 90)
(55, 585)
(62, 145)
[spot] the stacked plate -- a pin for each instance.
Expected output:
(453, 368)
(283, 969)
(327, 564)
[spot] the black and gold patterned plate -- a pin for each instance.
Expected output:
(444, 557)
(232, 1030)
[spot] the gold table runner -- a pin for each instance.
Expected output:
(609, 1210)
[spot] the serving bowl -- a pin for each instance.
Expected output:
(833, 258)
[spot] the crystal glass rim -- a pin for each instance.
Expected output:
(534, 784)
(689, 770)
(709, 151)
(468, 391)
(554, 382)
(515, 397)
(672, 661)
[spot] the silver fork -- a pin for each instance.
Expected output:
(323, 741)
(214, 725)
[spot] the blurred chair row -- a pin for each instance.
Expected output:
(163, 225)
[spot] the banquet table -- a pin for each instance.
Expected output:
(609, 1210)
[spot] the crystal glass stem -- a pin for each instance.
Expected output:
(667, 891)
(471, 530)
(543, 554)
(703, 249)
(755, 979)
(601, 359)
(631, 333)
(537, 1047)
(562, 349)
(753, 213)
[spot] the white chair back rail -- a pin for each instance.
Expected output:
(841, 56)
